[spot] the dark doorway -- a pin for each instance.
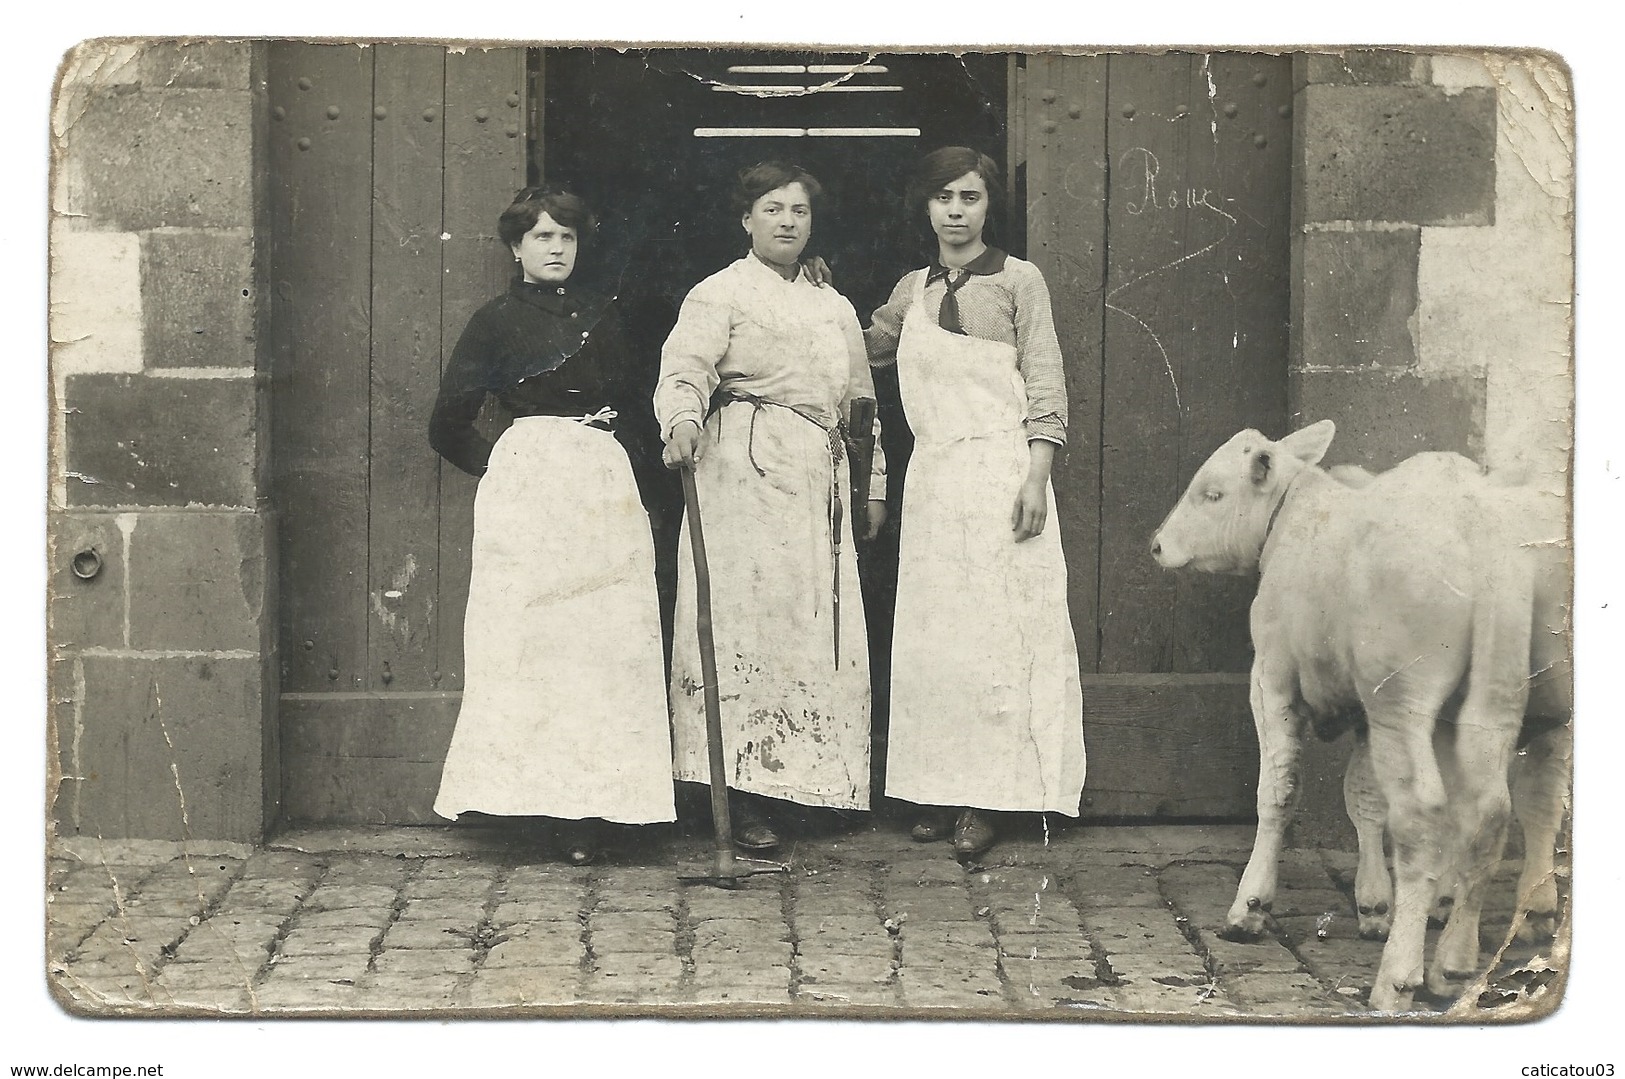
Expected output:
(655, 138)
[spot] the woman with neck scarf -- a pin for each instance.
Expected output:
(986, 707)
(757, 381)
(564, 707)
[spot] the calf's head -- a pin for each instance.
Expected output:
(1220, 522)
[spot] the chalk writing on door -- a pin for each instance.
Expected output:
(1142, 168)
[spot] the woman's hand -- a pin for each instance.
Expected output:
(876, 518)
(685, 447)
(818, 271)
(1031, 511)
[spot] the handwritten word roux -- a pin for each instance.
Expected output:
(1149, 167)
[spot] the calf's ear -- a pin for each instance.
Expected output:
(1262, 462)
(1309, 444)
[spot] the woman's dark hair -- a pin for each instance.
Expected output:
(531, 203)
(759, 179)
(939, 168)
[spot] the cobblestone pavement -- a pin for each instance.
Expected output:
(1087, 922)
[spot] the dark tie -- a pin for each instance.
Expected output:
(948, 316)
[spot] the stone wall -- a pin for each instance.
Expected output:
(1432, 277)
(160, 567)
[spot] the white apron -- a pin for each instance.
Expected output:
(986, 707)
(794, 725)
(564, 706)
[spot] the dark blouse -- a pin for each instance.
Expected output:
(542, 350)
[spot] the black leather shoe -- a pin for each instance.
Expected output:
(751, 829)
(974, 834)
(934, 824)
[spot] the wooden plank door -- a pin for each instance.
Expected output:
(1158, 208)
(389, 166)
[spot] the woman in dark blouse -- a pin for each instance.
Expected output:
(564, 708)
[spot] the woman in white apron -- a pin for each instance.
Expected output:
(986, 707)
(756, 381)
(564, 706)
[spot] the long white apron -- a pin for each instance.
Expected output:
(564, 704)
(986, 707)
(795, 724)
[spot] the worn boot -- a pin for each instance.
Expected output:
(974, 834)
(579, 838)
(750, 825)
(934, 823)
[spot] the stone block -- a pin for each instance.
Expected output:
(280, 867)
(347, 940)
(136, 159)
(1365, 67)
(1043, 946)
(411, 992)
(197, 292)
(1384, 416)
(298, 995)
(446, 888)
(1356, 298)
(1264, 957)
(733, 992)
(375, 918)
(464, 914)
(96, 301)
(1136, 931)
(536, 951)
(1412, 154)
(635, 900)
(1173, 969)
(334, 897)
(424, 935)
(424, 961)
(522, 986)
(527, 914)
(86, 611)
(734, 932)
(170, 748)
(848, 994)
(134, 440)
(750, 965)
(197, 581)
(198, 65)
(373, 871)
(633, 942)
(343, 966)
(1282, 994)
(652, 923)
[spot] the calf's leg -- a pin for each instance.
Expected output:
(1540, 789)
(1418, 818)
(1279, 731)
(1486, 738)
(1368, 812)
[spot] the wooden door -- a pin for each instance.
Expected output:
(1152, 191)
(388, 167)
(1158, 208)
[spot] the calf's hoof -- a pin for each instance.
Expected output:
(1248, 927)
(1445, 984)
(1374, 926)
(1375, 921)
(1392, 998)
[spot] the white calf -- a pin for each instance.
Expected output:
(1377, 599)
